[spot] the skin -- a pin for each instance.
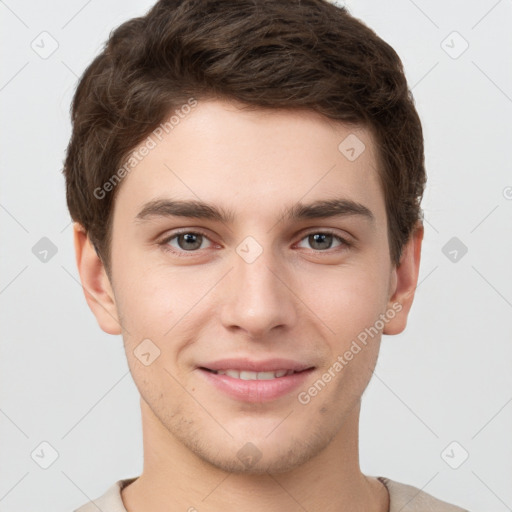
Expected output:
(297, 300)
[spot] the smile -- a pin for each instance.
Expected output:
(255, 385)
(248, 375)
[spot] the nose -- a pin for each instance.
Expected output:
(257, 299)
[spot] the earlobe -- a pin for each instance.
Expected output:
(95, 282)
(404, 282)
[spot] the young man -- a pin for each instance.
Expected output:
(245, 179)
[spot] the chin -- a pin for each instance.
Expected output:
(273, 464)
(259, 457)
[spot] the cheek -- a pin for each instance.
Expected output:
(349, 300)
(157, 301)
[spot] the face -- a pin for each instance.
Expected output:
(246, 246)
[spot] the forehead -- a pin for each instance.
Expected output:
(252, 161)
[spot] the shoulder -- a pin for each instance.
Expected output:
(403, 498)
(406, 498)
(110, 501)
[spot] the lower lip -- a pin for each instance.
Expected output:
(256, 390)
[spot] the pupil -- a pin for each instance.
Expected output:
(189, 241)
(320, 240)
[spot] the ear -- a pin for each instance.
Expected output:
(95, 282)
(404, 280)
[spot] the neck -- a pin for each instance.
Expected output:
(174, 478)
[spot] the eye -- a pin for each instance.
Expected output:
(321, 241)
(188, 241)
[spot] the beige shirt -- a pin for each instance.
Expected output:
(403, 498)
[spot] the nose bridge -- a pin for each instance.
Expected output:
(257, 300)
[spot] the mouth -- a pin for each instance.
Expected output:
(249, 375)
(250, 381)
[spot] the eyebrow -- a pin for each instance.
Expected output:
(162, 208)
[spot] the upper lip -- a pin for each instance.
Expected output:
(265, 365)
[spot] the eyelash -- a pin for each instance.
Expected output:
(182, 253)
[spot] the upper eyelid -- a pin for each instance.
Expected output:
(170, 236)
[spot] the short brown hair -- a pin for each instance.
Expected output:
(277, 54)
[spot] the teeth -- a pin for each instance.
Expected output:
(247, 375)
(266, 375)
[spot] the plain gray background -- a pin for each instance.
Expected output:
(446, 379)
